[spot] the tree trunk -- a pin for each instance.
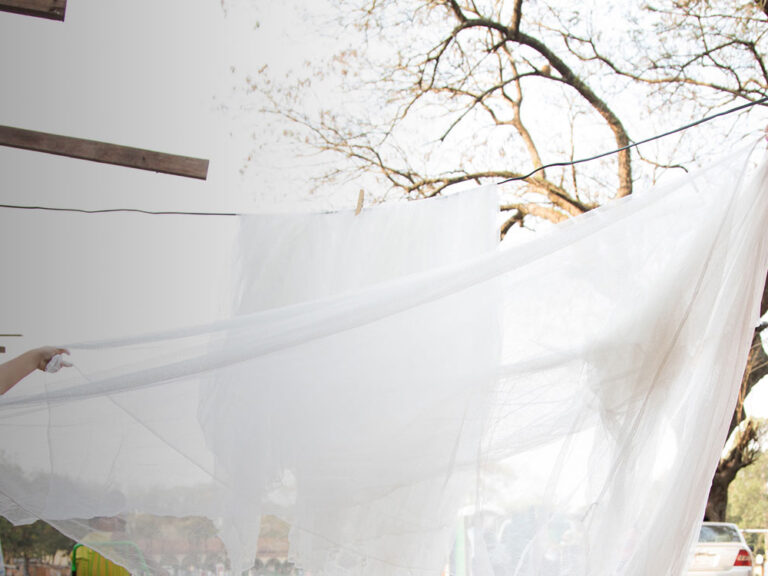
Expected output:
(745, 449)
(718, 501)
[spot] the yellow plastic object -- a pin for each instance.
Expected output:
(87, 562)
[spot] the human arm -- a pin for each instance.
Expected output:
(14, 370)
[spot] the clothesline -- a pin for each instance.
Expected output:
(528, 175)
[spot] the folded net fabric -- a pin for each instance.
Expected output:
(395, 395)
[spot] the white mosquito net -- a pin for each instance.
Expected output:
(394, 393)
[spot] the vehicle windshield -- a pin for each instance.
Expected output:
(721, 533)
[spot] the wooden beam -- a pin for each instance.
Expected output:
(51, 9)
(104, 152)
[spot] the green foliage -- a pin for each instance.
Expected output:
(31, 541)
(748, 501)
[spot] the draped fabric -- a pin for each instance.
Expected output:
(394, 393)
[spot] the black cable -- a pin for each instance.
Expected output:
(106, 210)
(634, 144)
(553, 165)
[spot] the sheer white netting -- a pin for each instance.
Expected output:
(396, 394)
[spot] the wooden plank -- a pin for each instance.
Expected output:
(51, 9)
(104, 152)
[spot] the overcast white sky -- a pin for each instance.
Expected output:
(154, 75)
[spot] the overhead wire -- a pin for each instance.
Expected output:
(639, 142)
(515, 178)
(108, 210)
